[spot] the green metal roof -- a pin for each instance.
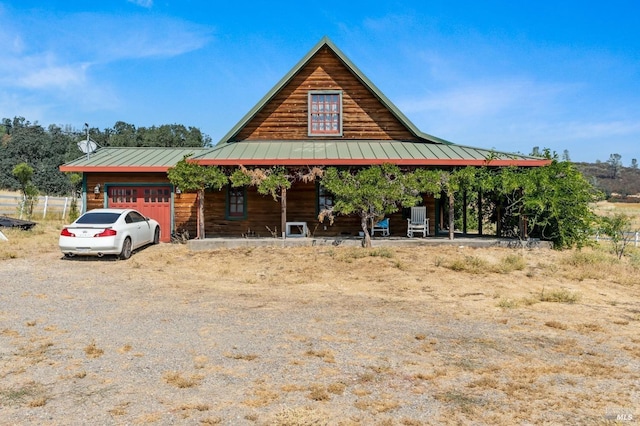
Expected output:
(357, 152)
(325, 41)
(128, 159)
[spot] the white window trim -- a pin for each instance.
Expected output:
(324, 92)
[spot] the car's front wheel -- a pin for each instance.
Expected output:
(156, 235)
(125, 253)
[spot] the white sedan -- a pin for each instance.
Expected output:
(108, 231)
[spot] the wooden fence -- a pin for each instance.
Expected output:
(46, 207)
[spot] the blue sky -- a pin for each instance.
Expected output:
(494, 74)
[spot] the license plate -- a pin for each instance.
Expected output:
(83, 249)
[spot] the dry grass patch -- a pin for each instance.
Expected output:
(240, 356)
(556, 324)
(383, 404)
(42, 238)
(120, 409)
(559, 296)
(262, 396)
(325, 354)
(300, 416)
(463, 402)
(176, 379)
(93, 351)
(318, 393)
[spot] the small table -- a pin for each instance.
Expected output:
(302, 226)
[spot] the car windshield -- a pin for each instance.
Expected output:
(98, 218)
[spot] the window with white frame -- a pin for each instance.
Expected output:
(325, 113)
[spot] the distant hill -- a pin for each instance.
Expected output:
(624, 188)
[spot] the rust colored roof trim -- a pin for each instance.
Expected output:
(115, 169)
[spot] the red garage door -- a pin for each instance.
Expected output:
(151, 201)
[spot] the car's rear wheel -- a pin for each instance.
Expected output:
(125, 253)
(156, 235)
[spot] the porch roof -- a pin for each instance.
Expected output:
(358, 152)
(128, 159)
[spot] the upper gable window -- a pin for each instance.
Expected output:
(325, 113)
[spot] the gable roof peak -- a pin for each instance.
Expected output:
(326, 41)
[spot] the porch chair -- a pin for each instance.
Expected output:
(419, 222)
(380, 226)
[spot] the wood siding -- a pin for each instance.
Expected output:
(263, 212)
(285, 117)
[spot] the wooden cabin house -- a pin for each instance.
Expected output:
(323, 112)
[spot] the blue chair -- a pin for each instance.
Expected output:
(380, 226)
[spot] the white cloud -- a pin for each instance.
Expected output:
(54, 60)
(143, 3)
(481, 99)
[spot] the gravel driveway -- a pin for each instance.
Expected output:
(106, 342)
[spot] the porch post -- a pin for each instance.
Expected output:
(451, 215)
(464, 212)
(200, 233)
(283, 211)
(480, 213)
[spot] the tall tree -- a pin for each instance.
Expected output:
(615, 165)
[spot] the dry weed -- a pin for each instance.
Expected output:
(176, 379)
(92, 351)
(556, 324)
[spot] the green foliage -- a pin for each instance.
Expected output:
(45, 149)
(371, 192)
(557, 200)
(618, 229)
(194, 177)
(74, 212)
(274, 181)
(23, 172)
(239, 177)
(554, 199)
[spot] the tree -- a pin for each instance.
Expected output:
(615, 165)
(565, 155)
(634, 163)
(23, 172)
(274, 181)
(370, 193)
(555, 200)
(190, 177)
(617, 228)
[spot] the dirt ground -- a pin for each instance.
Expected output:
(318, 335)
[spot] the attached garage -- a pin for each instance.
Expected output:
(137, 178)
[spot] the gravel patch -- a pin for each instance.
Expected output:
(101, 342)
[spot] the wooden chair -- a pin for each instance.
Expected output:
(419, 222)
(380, 226)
